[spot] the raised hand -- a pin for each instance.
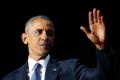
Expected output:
(97, 33)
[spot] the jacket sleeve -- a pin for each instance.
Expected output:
(103, 69)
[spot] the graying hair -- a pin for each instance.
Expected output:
(29, 22)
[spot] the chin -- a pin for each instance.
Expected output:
(44, 52)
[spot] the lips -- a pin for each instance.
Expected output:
(45, 45)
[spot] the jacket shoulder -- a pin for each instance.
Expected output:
(69, 63)
(10, 75)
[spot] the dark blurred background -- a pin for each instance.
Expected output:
(67, 17)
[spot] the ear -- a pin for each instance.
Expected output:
(24, 38)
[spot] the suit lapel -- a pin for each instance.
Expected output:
(22, 73)
(52, 70)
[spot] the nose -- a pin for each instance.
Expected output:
(44, 35)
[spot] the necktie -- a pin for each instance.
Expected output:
(36, 73)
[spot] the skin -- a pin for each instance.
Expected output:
(40, 40)
(97, 33)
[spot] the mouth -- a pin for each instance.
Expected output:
(46, 46)
(43, 44)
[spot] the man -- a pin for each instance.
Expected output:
(39, 36)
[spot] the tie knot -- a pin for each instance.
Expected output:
(37, 66)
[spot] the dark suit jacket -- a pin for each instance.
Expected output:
(70, 69)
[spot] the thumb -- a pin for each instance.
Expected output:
(85, 30)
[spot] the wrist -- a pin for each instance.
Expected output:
(100, 46)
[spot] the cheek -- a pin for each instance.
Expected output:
(52, 41)
(32, 41)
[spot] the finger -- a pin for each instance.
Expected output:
(98, 16)
(101, 18)
(85, 30)
(102, 21)
(94, 15)
(90, 18)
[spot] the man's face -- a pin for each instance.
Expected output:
(40, 37)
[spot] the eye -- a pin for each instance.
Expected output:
(38, 31)
(50, 33)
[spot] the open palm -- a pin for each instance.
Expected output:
(97, 29)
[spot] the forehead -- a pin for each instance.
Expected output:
(41, 24)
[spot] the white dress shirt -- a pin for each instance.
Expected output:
(43, 62)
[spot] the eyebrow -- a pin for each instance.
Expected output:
(48, 31)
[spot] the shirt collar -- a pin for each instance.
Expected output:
(43, 62)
